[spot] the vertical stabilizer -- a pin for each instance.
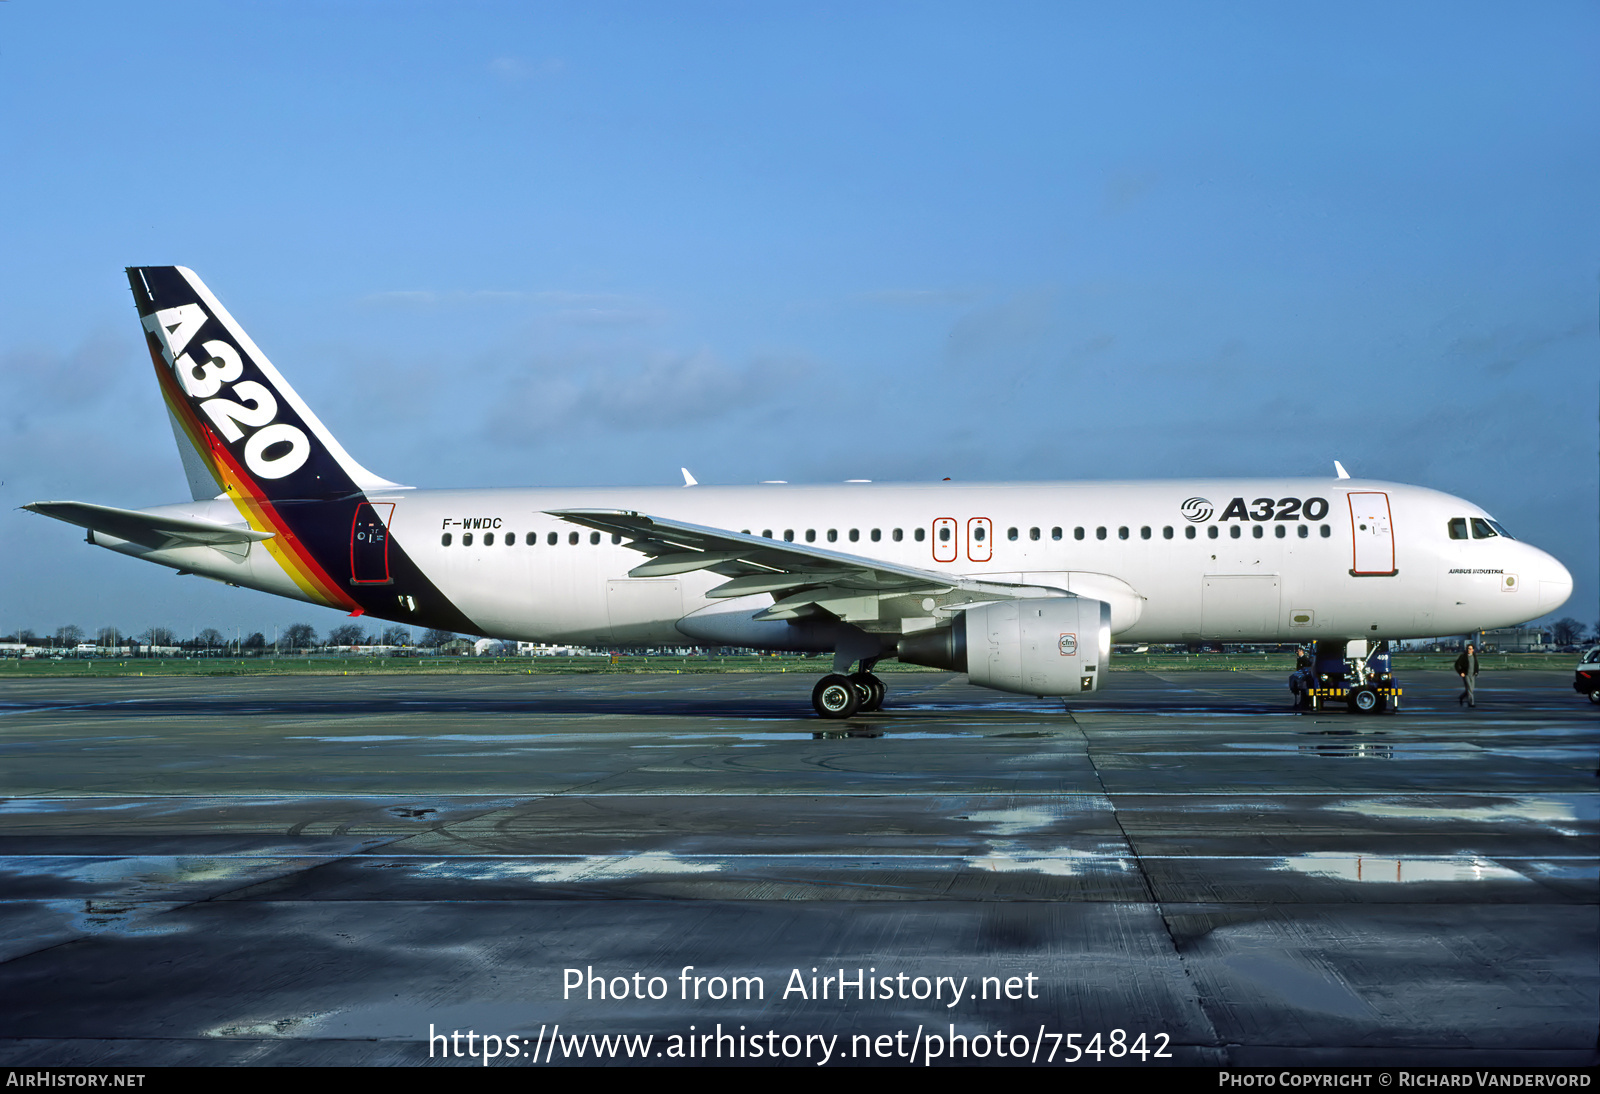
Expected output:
(246, 436)
(242, 430)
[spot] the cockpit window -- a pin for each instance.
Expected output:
(1501, 528)
(1481, 529)
(1458, 527)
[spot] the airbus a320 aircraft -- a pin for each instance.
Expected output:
(1020, 585)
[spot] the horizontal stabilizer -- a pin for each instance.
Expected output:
(156, 531)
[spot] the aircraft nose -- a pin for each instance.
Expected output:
(1555, 585)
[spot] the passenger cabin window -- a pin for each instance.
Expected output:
(1281, 530)
(788, 535)
(488, 539)
(1211, 530)
(1011, 534)
(1055, 533)
(977, 534)
(811, 535)
(1481, 529)
(1100, 532)
(616, 537)
(1188, 533)
(877, 534)
(511, 539)
(766, 533)
(1033, 533)
(1077, 533)
(1458, 527)
(1258, 531)
(1144, 533)
(572, 538)
(1305, 531)
(444, 540)
(1166, 533)
(466, 539)
(898, 535)
(855, 535)
(1234, 532)
(594, 537)
(833, 535)
(919, 535)
(1122, 533)
(1326, 531)
(553, 538)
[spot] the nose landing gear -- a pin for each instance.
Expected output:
(1347, 672)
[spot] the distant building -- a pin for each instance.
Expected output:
(540, 649)
(1515, 640)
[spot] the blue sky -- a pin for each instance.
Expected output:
(513, 244)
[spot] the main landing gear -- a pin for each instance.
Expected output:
(841, 696)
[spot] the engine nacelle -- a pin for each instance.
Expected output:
(1047, 646)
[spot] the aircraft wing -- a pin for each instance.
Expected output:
(803, 579)
(157, 531)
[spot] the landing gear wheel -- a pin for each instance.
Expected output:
(836, 697)
(872, 691)
(1366, 700)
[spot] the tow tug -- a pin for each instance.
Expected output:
(1346, 672)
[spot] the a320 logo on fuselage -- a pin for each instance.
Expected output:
(273, 449)
(1199, 509)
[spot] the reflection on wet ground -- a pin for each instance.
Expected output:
(313, 870)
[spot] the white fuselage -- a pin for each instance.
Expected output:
(1300, 559)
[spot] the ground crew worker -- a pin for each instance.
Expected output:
(1467, 669)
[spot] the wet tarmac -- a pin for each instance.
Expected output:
(321, 870)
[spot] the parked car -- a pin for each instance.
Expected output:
(1587, 680)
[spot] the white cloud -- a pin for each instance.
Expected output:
(514, 70)
(668, 390)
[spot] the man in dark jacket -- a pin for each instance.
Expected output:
(1467, 669)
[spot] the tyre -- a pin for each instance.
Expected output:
(872, 691)
(1366, 701)
(1594, 695)
(835, 697)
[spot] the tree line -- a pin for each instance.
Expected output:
(296, 636)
